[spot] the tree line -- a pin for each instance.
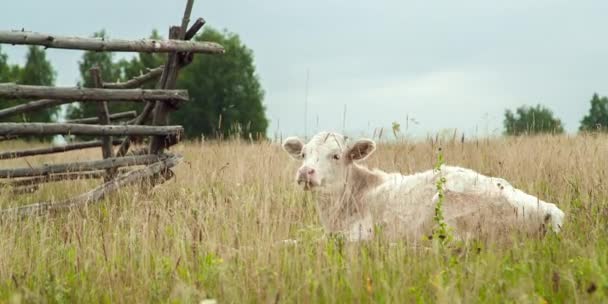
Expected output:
(539, 119)
(226, 96)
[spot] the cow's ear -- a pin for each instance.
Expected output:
(293, 146)
(361, 149)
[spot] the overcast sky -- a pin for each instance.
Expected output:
(446, 64)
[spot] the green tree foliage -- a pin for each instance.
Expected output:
(225, 92)
(37, 71)
(8, 73)
(597, 119)
(531, 120)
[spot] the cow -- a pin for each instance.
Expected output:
(355, 201)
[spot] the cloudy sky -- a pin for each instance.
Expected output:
(444, 64)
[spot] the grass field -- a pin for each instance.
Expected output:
(215, 232)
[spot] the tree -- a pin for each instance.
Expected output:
(37, 71)
(8, 73)
(225, 91)
(532, 120)
(4, 67)
(597, 119)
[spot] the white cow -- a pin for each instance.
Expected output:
(352, 199)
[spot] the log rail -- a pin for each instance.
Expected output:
(109, 45)
(55, 149)
(38, 128)
(115, 116)
(16, 91)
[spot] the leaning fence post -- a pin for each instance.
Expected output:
(104, 119)
(168, 80)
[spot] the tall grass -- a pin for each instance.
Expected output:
(216, 230)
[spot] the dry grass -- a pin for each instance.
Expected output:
(215, 232)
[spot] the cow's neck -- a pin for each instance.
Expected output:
(345, 202)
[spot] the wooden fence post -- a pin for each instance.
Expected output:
(103, 114)
(168, 80)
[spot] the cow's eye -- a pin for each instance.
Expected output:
(336, 156)
(303, 155)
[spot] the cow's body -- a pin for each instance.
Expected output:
(354, 201)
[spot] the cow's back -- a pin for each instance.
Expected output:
(402, 205)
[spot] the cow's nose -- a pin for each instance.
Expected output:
(306, 172)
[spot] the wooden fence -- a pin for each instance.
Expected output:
(153, 162)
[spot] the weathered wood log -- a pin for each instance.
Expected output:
(97, 193)
(56, 149)
(52, 178)
(143, 116)
(108, 163)
(196, 26)
(36, 128)
(168, 80)
(136, 81)
(104, 119)
(105, 45)
(115, 116)
(185, 19)
(31, 106)
(11, 90)
(187, 57)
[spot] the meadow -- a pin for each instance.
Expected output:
(216, 230)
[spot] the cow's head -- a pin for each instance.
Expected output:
(326, 158)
